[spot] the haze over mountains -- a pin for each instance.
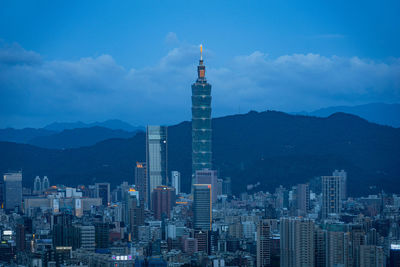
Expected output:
(272, 148)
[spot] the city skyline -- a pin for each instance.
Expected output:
(285, 153)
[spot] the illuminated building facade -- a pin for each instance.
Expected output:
(201, 122)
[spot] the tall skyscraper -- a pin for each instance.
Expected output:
(163, 198)
(343, 182)
(263, 244)
(103, 192)
(331, 195)
(156, 156)
(297, 242)
(141, 181)
(201, 121)
(176, 181)
(303, 199)
(202, 206)
(37, 186)
(206, 176)
(13, 190)
(45, 183)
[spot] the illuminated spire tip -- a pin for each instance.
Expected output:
(201, 52)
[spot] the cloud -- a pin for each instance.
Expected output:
(14, 54)
(34, 91)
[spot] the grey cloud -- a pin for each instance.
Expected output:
(98, 88)
(14, 54)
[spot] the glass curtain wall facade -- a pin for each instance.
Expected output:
(156, 156)
(201, 122)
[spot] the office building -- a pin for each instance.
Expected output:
(176, 181)
(135, 213)
(337, 245)
(263, 244)
(371, 256)
(45, 183)
(66, 235)
(141, 181)
(163, 198)
(87, 237)
(207, 176)
(102, 231)
(202, 240)
(13, 190)
(331, 195)
(303, 199)
(394, 257)
(343, 183)
(297, 242)
(202, 207)
(156, 156)
(226, 186)
(37, 186)
(201, 121)
(103, 192)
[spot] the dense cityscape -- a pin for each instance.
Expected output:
(149, 221)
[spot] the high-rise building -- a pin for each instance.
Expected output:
(141, 181)
(337, 245)
(45, 183)
(20, 237)
(343, 183)
(202, 206)
(87, 237)
(394, 257)
(37, 186)
(331, 195)
(297, 242)
(103, 192)
(226, 186)
(320, 239)
(65, 235)
(176, 181)
(156, 156)
(202, 240)
(207, 176)
(263, 244)
(163, 198)
(371, 256)
(135, 212)
(201, 121)
(303, 199)
(13, 190)
(102, 231)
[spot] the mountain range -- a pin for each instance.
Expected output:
(110, 124)
(381, 113)
(272, 148)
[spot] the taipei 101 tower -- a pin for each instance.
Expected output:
(201, 121)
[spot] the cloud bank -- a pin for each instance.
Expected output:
(34, 91)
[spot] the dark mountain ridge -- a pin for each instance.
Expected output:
(272, 148)
(381, 113)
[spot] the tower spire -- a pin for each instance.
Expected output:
(201, 52)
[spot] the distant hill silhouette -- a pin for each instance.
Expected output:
(385, 114)
(111, 124)
(22, 135)
(80, 137)
(272, 148)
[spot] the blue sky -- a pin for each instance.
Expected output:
(135, 60)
